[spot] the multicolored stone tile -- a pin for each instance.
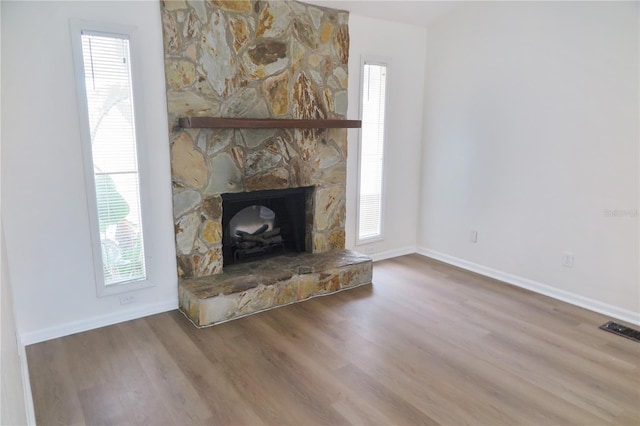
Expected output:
(244, 289)
(257, 59)
(261, 59)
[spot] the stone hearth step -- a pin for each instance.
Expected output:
(252, 287)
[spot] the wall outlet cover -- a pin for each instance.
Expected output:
(567, 260)
(126, 299)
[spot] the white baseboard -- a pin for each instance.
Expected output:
(143, 311)
(96, 322)
(26, 385)
(565, 296)
(376, 257)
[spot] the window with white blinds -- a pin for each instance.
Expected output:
(113, 157)
(372, 150)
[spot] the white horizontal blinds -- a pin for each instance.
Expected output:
(107, 73)
(371, 151)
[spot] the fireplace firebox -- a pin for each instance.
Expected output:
(260, 224)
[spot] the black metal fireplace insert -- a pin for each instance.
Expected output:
(259, 224)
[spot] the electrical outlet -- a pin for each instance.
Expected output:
(473, 236)
(369, 249)
(567, 259)
(126, 299)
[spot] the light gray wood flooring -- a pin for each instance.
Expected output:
(426, 344)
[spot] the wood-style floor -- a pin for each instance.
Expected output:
(426, 344)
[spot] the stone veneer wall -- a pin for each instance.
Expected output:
(258, 59)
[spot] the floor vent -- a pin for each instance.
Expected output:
(622, 330)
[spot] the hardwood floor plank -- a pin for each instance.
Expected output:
(295, 392)
(443, 354)
(308, 333)
(102, 406)
(374, 390)
(135, 391)
(254, 385)
(218, 393)
(174, 389)
(412, 373)
(426, 344)
(52, 387)
(358, 411)
(85, 362)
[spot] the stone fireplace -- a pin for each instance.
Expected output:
(257, 59)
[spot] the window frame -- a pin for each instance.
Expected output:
(373, 60)
(78, 27)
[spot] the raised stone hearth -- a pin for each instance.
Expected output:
(252, 287)
(257, 59)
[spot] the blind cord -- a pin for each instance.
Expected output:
(93, 76)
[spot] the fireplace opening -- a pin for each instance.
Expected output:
(261, 224)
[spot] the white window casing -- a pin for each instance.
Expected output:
(371, 151)
(112, 145)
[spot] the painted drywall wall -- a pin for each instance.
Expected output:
(403, 46)
(43, 180)
(531, 138)
(43, 193)
(13, 407)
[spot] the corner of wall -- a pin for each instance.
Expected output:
(17, 405)
(535, 286)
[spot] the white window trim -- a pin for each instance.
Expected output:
(77, 26)
(375, 60)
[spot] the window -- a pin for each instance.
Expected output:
(108, 121)
(374, 80)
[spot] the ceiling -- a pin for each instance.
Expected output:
(416, 12)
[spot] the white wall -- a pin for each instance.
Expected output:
(42, 177)
(531, 112)
(43, 193)
(532, 132)
(404, 46)
(12, 408)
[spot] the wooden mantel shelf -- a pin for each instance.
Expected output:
(265, 123)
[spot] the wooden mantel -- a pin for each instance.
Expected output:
(265, 123)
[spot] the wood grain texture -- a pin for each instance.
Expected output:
(426, 344)
(266, 123)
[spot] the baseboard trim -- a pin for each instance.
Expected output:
(143, 311)
(383, 255)
(26, 384)
(565, 296)
(96, 322)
